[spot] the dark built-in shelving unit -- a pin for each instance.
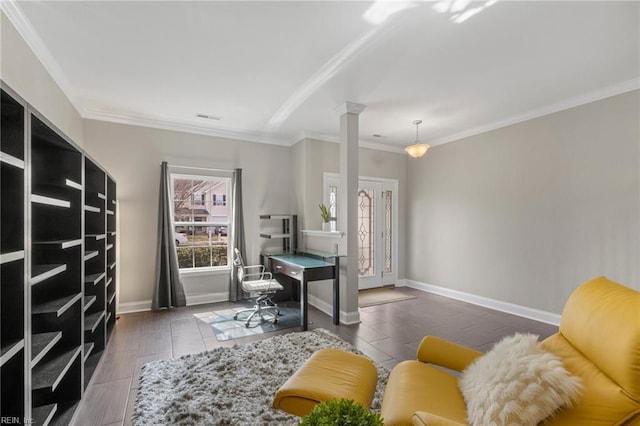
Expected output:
(13, 283)
(57, 286)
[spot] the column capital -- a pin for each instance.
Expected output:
(351, 108)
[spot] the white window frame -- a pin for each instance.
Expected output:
(176, 172)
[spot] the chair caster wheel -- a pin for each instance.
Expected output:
(235, 317)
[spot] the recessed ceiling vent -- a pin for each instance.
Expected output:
(209, 117)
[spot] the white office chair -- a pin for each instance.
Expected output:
(260, 282)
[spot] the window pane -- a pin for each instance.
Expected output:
(182, 189)
(201, 246)
(203, 203)
(388, 257)
(185, 257)
(366, 265)
(333, 207)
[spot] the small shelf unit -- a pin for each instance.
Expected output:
(288, 230)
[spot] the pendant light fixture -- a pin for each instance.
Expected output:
(418, 149)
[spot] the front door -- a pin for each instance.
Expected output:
(376, 245)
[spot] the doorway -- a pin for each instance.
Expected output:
(376, 233)
(377, 227)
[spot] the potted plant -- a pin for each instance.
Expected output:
(326, 217)
(342, 412)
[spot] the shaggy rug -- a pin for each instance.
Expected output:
(232, 385)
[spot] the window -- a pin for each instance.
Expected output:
(201, 221)
(198, 199)
(219, 199)
(330, 184)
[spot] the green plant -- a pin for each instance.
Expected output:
(343, 412)
(324, 212)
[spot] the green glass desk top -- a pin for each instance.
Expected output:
(302, 261)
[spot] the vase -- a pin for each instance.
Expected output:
(326, 226)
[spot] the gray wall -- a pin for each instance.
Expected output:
(133, 155)
(311, 158)
(526, 213)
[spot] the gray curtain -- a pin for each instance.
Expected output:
(169, 291)
(237, 234)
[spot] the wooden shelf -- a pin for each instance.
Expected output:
(112, 265)
(88, 301)
(108, 283)
(49, 374)
(88, 347)
(94, 278)
(56, 307)
(11, 257)
(92, 209)
(102, 196)
(49, 201)
(92, 321)
(10, 350)
(112, 298)
(64, 414)
(41, 344)
(62, 244)
(11, 160)
(276, 216)
(109, 246)
(90, 254)
(40, 273)
(96, 236)
(42, 415)
(269, 236)
(73, 184)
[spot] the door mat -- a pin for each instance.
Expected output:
(380, 296)
(226, 328)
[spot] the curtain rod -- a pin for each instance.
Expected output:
(201, 168)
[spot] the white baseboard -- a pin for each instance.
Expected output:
(145, 305)
(498, 305)
(346, 318)
(201, 299)
(130, 307)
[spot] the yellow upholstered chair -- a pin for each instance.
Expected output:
(598, 341)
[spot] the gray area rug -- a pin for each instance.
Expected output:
(226, 328)
(232, 385)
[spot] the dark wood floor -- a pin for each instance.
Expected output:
(387, 333)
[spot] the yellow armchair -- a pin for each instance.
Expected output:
(598, 341)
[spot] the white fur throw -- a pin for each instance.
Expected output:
(516, 383)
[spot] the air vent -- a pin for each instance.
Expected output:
(209, 117)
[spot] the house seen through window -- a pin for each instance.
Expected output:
(201, 220)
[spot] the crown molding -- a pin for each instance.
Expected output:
(350, 108)
(596, 95)
(23, 26)
(165, 124)
(378, 146)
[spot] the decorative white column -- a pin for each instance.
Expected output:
(348, 205)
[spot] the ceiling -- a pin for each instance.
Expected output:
(276, 72)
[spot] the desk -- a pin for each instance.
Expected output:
(304, 267)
